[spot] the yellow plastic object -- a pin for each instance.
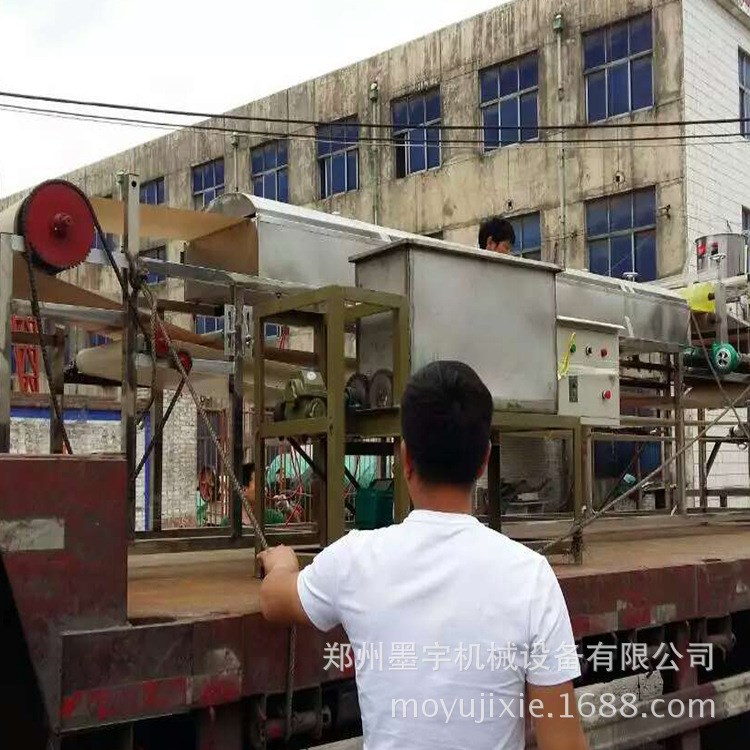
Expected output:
(564, 366)
(699, 296)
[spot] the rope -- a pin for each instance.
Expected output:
(54, 403)
(237, 486)
(228, 469)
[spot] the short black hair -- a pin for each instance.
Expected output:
(501, 230)
(446, 412)
(248, 470)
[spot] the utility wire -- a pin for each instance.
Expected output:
(386, 126)
(391, 141)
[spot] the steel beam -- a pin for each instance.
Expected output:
(336, 439)
(130, 195)
(679, 432)
(236, 392)
(70, 313)
(702, 478)
(7, 242)
(729, 697)
(57, 388)
(259, 419)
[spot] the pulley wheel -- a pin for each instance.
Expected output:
(57, 225)
(381, 390)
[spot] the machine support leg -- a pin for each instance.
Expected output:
(587, 445)
(259, 416)
(335, 464)
(679, 444)
(702, 477)
(129, 188)
(494, 510)
(57, 388)
(401, 365)
(238, 405)
(158, 422)
(320, 446)
(579, 482)
(128, 404)
(6, 348)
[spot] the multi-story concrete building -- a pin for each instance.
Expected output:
(440, 133)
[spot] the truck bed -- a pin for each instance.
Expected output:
(182, 585)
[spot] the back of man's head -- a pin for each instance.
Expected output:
(496, 230)
(446, 412)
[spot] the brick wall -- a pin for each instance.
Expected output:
(717, 182)
(99, 432)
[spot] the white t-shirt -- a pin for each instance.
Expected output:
(447, 620)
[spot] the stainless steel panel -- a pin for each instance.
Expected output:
(374, 342)
(301, 253)
(495, 314)
(653, 319)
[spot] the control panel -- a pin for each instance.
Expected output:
(588, 371)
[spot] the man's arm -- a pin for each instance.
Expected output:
(554, 711)
(279, 600)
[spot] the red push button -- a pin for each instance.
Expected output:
(606, 395)
(604, 352)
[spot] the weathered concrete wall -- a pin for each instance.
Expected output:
(469, 185)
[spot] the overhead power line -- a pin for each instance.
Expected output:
(382, 126)
(645, 141)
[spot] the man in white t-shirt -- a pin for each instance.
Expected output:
(458, 633)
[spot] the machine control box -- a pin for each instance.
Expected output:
(588, 371)
(728, 249)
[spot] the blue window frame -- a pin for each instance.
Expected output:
(621, 234)
(209, 323)
(269, 170)
(618, 68)
(528, 229)
(152, 192)
(416, 132)
(98, 339)
(208, 182)
(509, 102)
(158, 253)
(338, 156)
(744, 71)
(111, 241)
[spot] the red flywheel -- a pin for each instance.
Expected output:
(57, 224)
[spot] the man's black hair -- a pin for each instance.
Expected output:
(446, 411)
(501, 230)
(248, 470)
